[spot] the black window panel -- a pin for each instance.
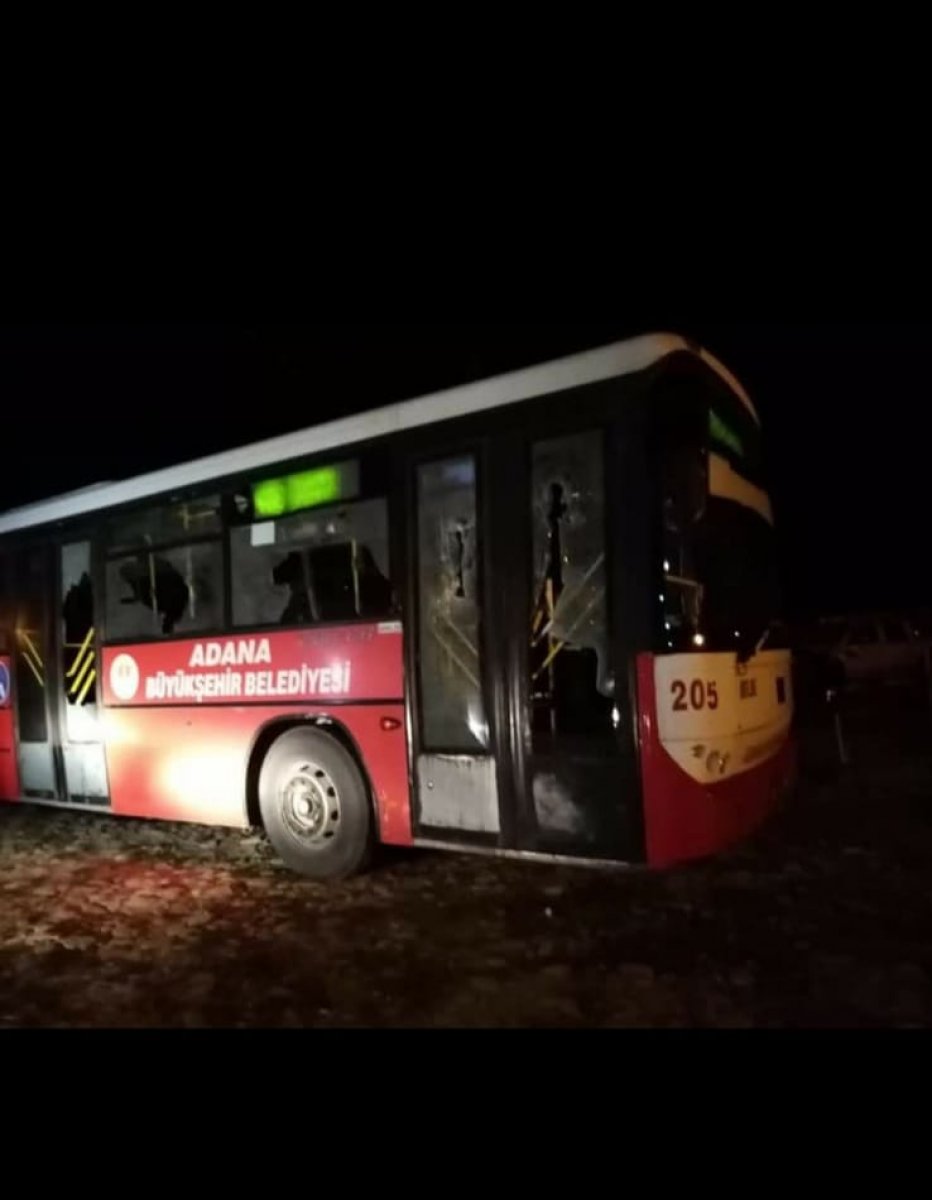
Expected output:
(163, 524)
(863, 633)
(320, 565)
(896, 631)
(165, 593)
(6, 604)
(31, 614)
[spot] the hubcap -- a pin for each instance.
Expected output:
(311, 805)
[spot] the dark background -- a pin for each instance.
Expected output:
(843, 407)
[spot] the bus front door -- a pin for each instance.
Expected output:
(577, 793)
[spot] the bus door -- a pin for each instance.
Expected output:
(575, 759)
(456, 750)
(60, 751)
(528, 580)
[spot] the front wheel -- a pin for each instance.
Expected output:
(315, 806)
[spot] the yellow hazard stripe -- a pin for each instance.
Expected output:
(29, 644)
(31, 659)
(87, 686)
(80, 654)
(29, 663)
(80, 679)
(80, 662)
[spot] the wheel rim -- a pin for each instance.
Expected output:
(311, 805)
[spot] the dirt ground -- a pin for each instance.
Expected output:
(823, 920)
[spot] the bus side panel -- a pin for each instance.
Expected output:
(189, 763)
(9, 776)
(684, 819)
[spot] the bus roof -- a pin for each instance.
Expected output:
(592, 366)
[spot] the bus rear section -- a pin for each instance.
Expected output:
(535, 618)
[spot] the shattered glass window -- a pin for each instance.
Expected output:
(161, 593)
(157, 587)
(572, 686)
(452, 706)
(324, 565)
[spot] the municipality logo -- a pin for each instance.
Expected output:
(124, 677)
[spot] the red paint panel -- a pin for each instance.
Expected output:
(9, 776)
(189, 764)
(683, 819)
(350, 662)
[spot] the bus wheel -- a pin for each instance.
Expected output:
(315, 805)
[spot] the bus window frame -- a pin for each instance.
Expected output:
(370, 472)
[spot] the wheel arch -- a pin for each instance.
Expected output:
(271, 730)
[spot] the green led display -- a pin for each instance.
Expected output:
(311, 488)
(306, 489)
(725, 436)
(270, 499)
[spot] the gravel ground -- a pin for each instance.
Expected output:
(823, 920)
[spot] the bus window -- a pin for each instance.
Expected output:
(79, 674)
(157, 590)
(572, 687)
(30, 635)
(164, 525)
(160, 593)
(452, 707)
(325, 565)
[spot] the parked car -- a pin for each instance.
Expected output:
(873, 647)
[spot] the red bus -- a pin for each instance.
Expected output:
(531, 616)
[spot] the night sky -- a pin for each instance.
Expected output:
(848, 459)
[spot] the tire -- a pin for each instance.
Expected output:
(315, 805)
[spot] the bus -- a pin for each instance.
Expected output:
(532, 616)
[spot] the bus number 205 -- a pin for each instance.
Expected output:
(696, 696)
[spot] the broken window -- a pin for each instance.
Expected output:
(452, 706)
(164, 593)
(572, 686)
(79, 663)
(156, 587)
(326, 565)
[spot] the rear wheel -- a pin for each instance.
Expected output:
(315, 805)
